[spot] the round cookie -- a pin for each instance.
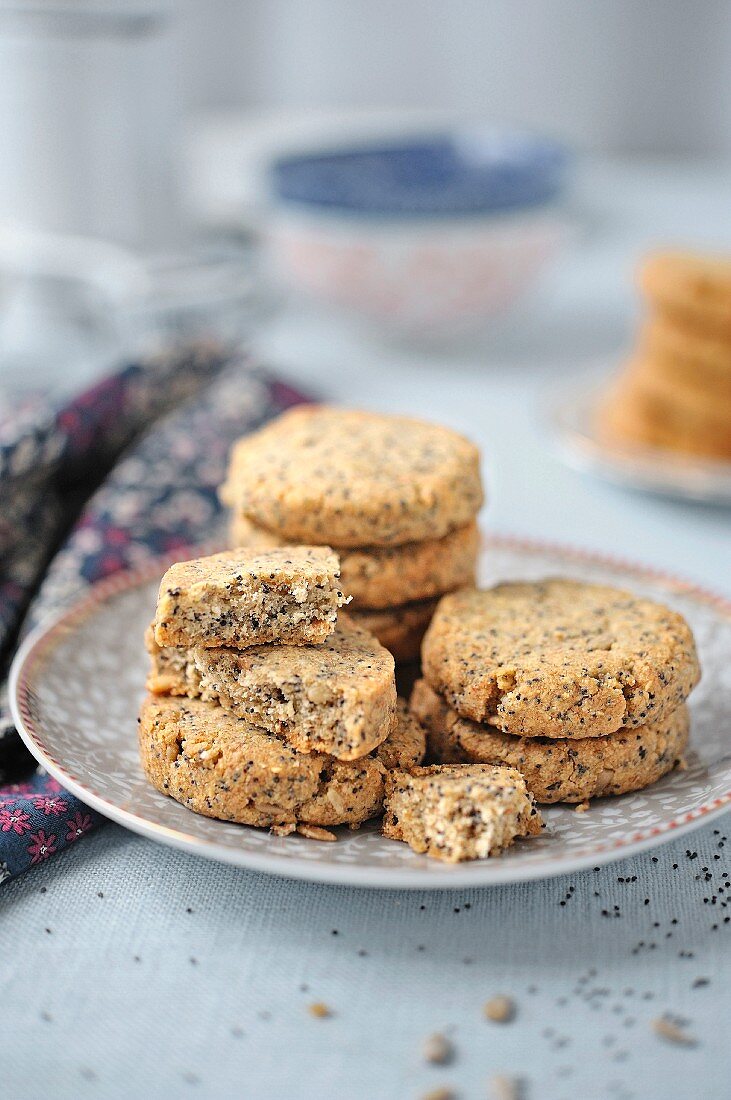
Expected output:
(677, 402)
(399, 629)
(386, 576)
(223, 767)
(352, 478)
(405, 745)
(691, 288)
(628, 417)
(698, 359)
(559, 658)
(557, 770)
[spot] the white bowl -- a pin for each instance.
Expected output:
(429, 279)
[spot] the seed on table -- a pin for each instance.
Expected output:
(438, 1049)
(501, 1010)
(441, 1093)
(320, 1010)
(504, 1088)
(672, 1033)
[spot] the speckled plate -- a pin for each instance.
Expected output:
(77, 684)
(648, 469)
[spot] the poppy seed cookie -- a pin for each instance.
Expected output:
(688, 354)
(630, 417)
(559, 658)
(172, 671)
(388, 576)
(325, 475)
(399, 629)
(555, 769)
(680, 401)
(405, 745)
(693, 289)
(249, 597)
(226, 768)
(459, 812)
(338, 697)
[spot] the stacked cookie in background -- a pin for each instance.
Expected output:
(396, 498)
(675, 393)
(580, 687)
(265, 706)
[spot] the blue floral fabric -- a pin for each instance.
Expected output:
(159, 497)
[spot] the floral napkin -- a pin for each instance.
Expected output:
(105, 483)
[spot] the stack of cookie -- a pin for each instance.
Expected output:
(397, 498)
(266, 707)
(676, 392)
(580, 687)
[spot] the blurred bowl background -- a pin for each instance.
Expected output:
(427, 236)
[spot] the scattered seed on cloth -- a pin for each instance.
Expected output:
(438, 1049)
(504, 1088)
(501, 1010)
(672, 1033)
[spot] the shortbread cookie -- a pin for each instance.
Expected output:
(405, 745)
(399, 629)
(338, 697)
(557, 769)
(459, 812)
(559, 658)
(676, 402)
(172, 671)
(346, 478)
(690, 355)
(388, 576)
(629, 416)
(692, 288)
(246, 597)
(224, 767)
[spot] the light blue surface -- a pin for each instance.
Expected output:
(161, 1025)
(131, 995)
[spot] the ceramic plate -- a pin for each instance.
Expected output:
(77, 684)
(635, 467)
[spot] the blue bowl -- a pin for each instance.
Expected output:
(466, 172)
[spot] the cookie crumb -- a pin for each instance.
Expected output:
(319, 1010)
(672, 1032)
(316, 832)
(501, 1010)
(283, 830)
(504, 1088)
(582, 807)
(438, 1049)
(441, 1093)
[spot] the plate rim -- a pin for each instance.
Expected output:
(43, 637)
(640, 468)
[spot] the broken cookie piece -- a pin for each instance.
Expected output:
(242, 598)
(338, 698)
(459, 812)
